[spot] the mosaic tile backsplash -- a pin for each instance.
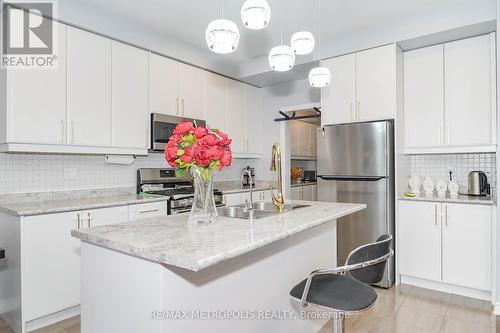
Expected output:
(28, 173)
(438, 167)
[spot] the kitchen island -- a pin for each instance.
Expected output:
(167, 275)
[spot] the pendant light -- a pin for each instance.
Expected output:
(281, 58)
(222, 35)
(255, 14)
(319, 76)
(302, 42)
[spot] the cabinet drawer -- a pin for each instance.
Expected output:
(148, 210)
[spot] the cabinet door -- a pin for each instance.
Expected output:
(305, 147)
(296, 193)
(337, 100)
(376, 83)
(468, 92)
(163, 85)
(235, 114)
(104, 216)
(467, 245)
(307, 193)
(215, 100)
(147, 210)
(313, 139)
(191, 91)
(89, 88)
(420, 240)
(424, 97)
(36, 100)
(253, 120)
(129, 96)
(233, 199)
(51, 264)
(294, 138)
(314, 192)
(265, 195)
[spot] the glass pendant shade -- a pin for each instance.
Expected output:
(302, 42)
(255, 14)
(319, 77)
(222, 36)
(281, 58)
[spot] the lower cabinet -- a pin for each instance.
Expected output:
(450, 243)
(305, 192)
(51, 256)
(233, 199)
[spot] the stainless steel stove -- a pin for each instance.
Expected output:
(179, 190)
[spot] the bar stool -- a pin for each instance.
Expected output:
(346, 290)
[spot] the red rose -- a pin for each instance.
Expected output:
(226, 158)
(225, 140)
(202, 156)
(171, 151)
(172, 163)
(210, 140)
(188, 155)
(216, 152)
(175, 139)
(183, 127)
(200, 132)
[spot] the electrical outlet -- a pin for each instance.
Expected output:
(69, 173)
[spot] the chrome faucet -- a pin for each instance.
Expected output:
(278, 199)
(248, 205)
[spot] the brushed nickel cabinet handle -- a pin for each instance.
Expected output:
(72, 132)
(446, 216)
(435, 215)
(183, 107)
(353, 115)
(62, 131)
(177, 106)
(89, 219)
(148, 211)
(78, 220)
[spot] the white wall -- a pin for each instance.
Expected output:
(275, 97)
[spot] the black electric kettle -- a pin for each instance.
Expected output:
(478, 184)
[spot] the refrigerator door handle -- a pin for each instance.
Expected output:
(350, 178)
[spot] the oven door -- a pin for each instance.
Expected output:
(162, 128)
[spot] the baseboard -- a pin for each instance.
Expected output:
(52, 319)
(447, 288)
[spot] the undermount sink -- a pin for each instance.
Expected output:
(260, 209)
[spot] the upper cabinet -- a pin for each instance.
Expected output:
(190, 91)
(363, 87)
(129, 97)
(303, 140)
(163, 85)
(235, 115)
(253, 120)
(449, 97)
(88, 88)
(215, 100)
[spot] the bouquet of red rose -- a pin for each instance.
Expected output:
(208, 149)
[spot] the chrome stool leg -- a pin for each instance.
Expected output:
(339, 324)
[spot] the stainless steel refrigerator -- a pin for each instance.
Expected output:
(356, 164)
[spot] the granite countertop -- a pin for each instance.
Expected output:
(66, 205)
(465, 199)
(172, 240)
(233, 187)
(304, 183)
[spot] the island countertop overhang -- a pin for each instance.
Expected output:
(172, 240)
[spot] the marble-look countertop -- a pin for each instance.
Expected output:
(231, 187)
(67, 205)
(304, 183)
(172, 240)
(465, 199)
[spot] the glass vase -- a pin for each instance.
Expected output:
(204, 209)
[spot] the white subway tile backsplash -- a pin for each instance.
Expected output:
(28, 173)
(438, 166)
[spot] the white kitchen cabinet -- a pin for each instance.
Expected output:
(419, 229)
(215, 100)
(303, 140)
(469, 68)
(467, 245)
(338, 100)
(104, 216)
(232, 199)
(129, 97)
(424, 97)
(253, 120)
(50, 264)
(295, 138)
(304, 192)
(147, 210)
(443, 242)
(36, 101)
(88, 88)
(296, 193)
(265, 195)
(235, 114)
(191, 91)
(376, 83)
(163, 85)
(363, 87)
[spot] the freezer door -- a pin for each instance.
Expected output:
(355, 149)
(366, 225)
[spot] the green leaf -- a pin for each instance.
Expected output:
(180, 152)
(179, 172)
(188, 140)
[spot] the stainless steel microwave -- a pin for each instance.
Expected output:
(162, 127)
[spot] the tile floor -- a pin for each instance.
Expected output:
(402, 309)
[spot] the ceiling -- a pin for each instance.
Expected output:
(187, 20)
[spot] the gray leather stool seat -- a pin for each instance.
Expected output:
(337, 292)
